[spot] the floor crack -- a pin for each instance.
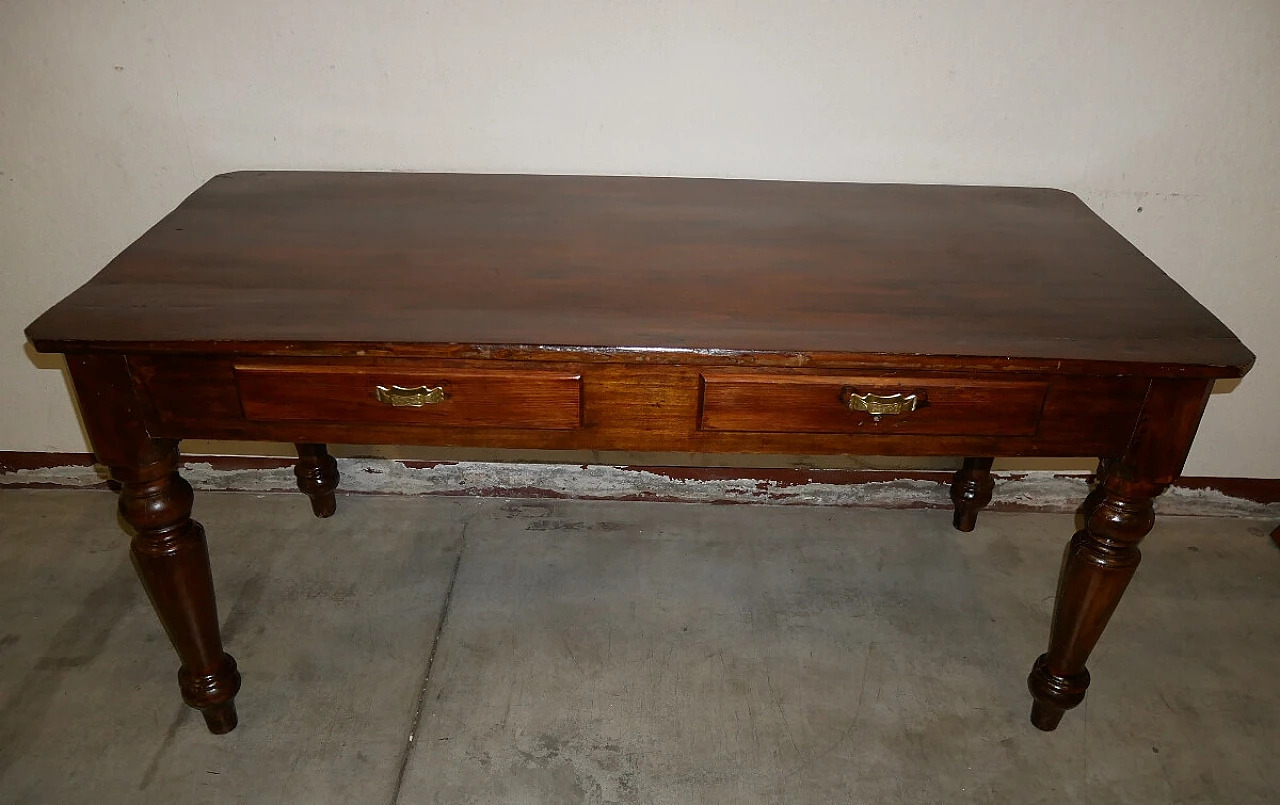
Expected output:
(416, 721)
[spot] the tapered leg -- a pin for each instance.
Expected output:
(317, 477)
(1098, 564)
(172, 560)
(971, 491)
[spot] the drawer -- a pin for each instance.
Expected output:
(537, 399)
(915, 405)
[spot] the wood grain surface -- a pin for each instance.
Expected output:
(454, 265)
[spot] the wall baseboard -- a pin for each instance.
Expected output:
(1015, 491)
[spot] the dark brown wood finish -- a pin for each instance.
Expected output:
(696, 316)
(452, 265)
(168, 547)
(971, 491)
(805, 403)
(518, 398)
(641, 407)
(1101, 559)
(317, 474)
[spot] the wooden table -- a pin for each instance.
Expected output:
(640, 314)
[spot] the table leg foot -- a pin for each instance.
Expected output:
(172, 560)
(324, 505)
(213, 694)
(971, 490)
(1053, 695)
(221, 718)
(317, 474)
(1045, 717)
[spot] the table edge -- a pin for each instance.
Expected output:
(657, 355)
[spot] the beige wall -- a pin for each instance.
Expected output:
(1164, 115)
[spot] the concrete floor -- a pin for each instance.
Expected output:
(576, 652)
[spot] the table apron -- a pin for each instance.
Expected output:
(632, 407)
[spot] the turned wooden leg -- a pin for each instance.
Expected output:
(172, 559)
(1098, 564)
(317, 477)
(971, 491)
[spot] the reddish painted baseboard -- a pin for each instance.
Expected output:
(12, 461)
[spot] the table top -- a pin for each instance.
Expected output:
(333, 262)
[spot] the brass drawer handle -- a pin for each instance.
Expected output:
(402, 397)
(882, 404)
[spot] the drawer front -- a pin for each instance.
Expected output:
(916, 405)
(538, 400)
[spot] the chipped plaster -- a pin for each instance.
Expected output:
(1041, 491)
